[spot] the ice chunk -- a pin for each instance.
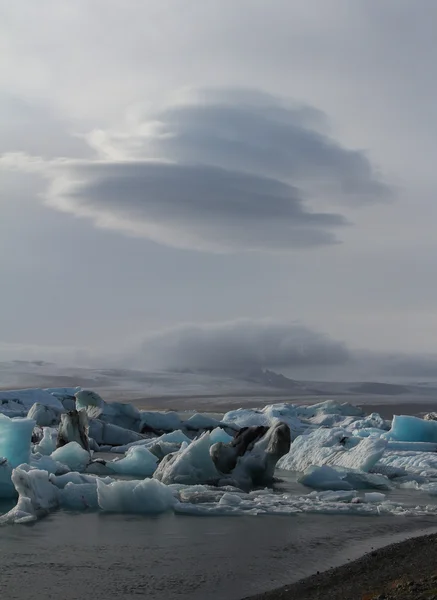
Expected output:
(138, 462)
(61, 481)
(141, 497)
(175, 437)
(47, 463)
(268, 416)
(37, 496)
(200, 421)
(372, 421)
(86, 399)
(257, 465)
(48, 443)
(112, 435)
(420, 463)
(79, 496)
(190, 465)
(73, 456)
(28, 397)
(44, 416)
(412, 429)
(374, 497)
(329, 447)
(324, 478)
(154, 421)
(15, 439)
(219, 435)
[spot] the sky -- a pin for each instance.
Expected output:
(204, 183)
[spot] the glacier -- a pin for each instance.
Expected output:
(68, 449)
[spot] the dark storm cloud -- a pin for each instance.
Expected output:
(240, 345)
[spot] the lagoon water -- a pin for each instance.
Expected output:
(74, 556)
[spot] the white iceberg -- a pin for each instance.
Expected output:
(333, 447)
(44, 416)
(138, 497)
(37, 496)
(138, 462)
(191, 465)
(73, 456)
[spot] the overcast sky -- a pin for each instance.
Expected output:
(189, 177)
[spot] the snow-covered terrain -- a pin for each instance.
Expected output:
(68, 449)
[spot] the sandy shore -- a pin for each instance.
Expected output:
(403, 571)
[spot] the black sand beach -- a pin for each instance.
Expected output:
(404, 571)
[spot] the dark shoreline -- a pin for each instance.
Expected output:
(404, 570)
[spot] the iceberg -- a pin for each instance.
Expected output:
(44, 416)
(111, 435)
(191, 465)
(138, 497)
(15, 439)
(37, 496)
(138, 462)
(28, 397)
(79, 496)
(198, 422)
(158, 422)
(73, 456)
(412, 429)
(251, 457)
(333, 447)
(47, 444)
(337, 478)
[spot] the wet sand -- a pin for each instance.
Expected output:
(403, 571)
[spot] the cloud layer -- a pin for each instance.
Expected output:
(241, 345)
(221, 170)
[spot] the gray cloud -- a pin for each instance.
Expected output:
(194, 206)
(240, 345)
(222, 171)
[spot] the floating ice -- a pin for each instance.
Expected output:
(268, 416)
(421, 463)
(47, 463)
(192, 464)
(140, 497)
(79, 496)
(337, 478)
(138, 462)
(44, 416)
(412, 429)
(15, 439)
(48, 443)
(219, 435)
(324, 478)
(198, 421)
(73, 456)
(28, 397)
(159, 421)
(330, 447)
(37, 496)
(112, 435)
(374, 497)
